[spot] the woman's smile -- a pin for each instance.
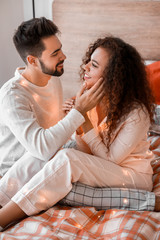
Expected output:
(86, 76)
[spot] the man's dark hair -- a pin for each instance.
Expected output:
(29, 35)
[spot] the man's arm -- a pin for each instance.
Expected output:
(44, 143)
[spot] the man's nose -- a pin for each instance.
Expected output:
(63, 56)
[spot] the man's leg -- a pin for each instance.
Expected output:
(54, 181)
(18, 175)
(11, 212)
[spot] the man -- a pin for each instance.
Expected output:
(30, 106)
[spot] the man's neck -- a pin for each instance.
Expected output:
(37, 78)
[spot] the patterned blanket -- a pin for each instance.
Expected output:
(86, 223)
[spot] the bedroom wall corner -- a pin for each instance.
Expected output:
(11, 14)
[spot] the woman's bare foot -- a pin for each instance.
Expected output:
(157, 203)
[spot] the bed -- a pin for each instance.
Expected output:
(80, 22)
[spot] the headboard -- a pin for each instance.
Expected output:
(82, 21)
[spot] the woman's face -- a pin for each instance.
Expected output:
(95, 67)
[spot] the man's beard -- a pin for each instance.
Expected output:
(51, 72)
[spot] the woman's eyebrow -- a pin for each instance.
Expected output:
(95, 61)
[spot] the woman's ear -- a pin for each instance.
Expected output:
(32, 60)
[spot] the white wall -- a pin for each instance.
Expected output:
(12, 13)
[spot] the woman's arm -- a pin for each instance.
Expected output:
(81, 145)
(131, 132)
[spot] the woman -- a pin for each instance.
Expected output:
(119, 151)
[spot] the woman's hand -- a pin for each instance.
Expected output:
(86, 100)
(68, 105)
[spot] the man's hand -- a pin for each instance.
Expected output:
(86, 100)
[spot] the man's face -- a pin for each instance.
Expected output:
(52, 58)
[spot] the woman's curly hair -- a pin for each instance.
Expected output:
(125, 81)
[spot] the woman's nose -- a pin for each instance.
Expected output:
(86, 67)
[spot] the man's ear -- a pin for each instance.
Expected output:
(32, 60)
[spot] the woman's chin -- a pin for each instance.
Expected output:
(88, 86)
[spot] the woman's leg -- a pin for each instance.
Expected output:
(54, 181)
(18, 175)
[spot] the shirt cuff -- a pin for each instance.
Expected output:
(76, 116)
(90, 135)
